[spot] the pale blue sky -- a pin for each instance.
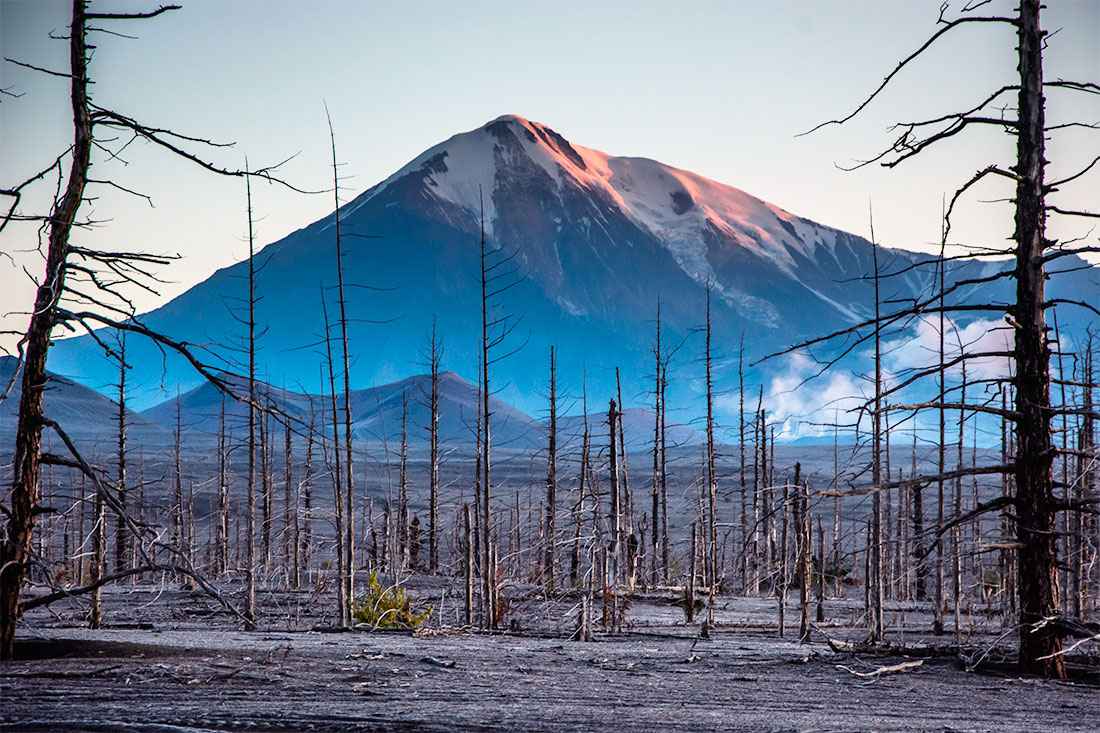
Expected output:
(718, 88)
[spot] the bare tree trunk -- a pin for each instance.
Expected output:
(627, 502)
(754, 584)
(289, 510)
(805, 553)
(820, 572)
(307, 499)
(121, 532)
(712, 481)
(784, 555)
(956, 531)
(689, 597)
(488, 586)
(876, 468)
(918, 530)
(1086, 472)
(349, 480)
(99, 542)
(403, 491)
(655, 517)
(1040, 643)
(468, 545)
(616, 508)
(16, 550)
(250, 521)
(836, 507)
(745, 546)
(666, 542)
(267, 490)
(222, 535)
(434, 358)
(342, 598)
(552, 480)
(937, 612)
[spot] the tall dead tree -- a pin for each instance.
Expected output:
(614, 495)
(349, 479)
(433, 356)
(656, 509)
(343, 601)
(221, 537)
(875, 559)
(498, 273)
(627, 502)
(745, 556)
(712, 481)
(122, 534)
(307, 495)
(290, 511)
(71, 294)
(552, 479)
(488, 581)
(1031, 505)
(403, 554)
(250, 518)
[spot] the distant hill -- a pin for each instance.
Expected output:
(88, 417)
(638, 426)
(376, 412)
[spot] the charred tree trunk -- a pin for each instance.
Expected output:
(16, 549)
(434, 357)
(1040, 643)
(552, 480)
(712, 481)
(349, 478)
(342, 598)
(655, 520)
(122, 534)
(876, 564)
(250, 519)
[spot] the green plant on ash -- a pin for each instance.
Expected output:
(387, 608)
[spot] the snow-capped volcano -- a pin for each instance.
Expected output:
(597, 241)
(684, 211)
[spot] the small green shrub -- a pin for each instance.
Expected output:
(387, 608)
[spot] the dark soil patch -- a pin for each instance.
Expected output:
(38, 649)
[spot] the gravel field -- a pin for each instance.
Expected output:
(165, 665)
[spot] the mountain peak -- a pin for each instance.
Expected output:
(510, 119)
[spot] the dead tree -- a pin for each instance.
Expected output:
(403, 544)
(343, 601)
(121, 534)
(267, 491)
(656, 509)
(290, 512)
(498, 273)
(307, 496)
(1033, 506)
(552, 479)
(433, 357)
(615, 496)
(746, 558)
(712, 481)
(627, 502)
(250, 519)
(349, 481)
(72, 294)
(875, 559)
